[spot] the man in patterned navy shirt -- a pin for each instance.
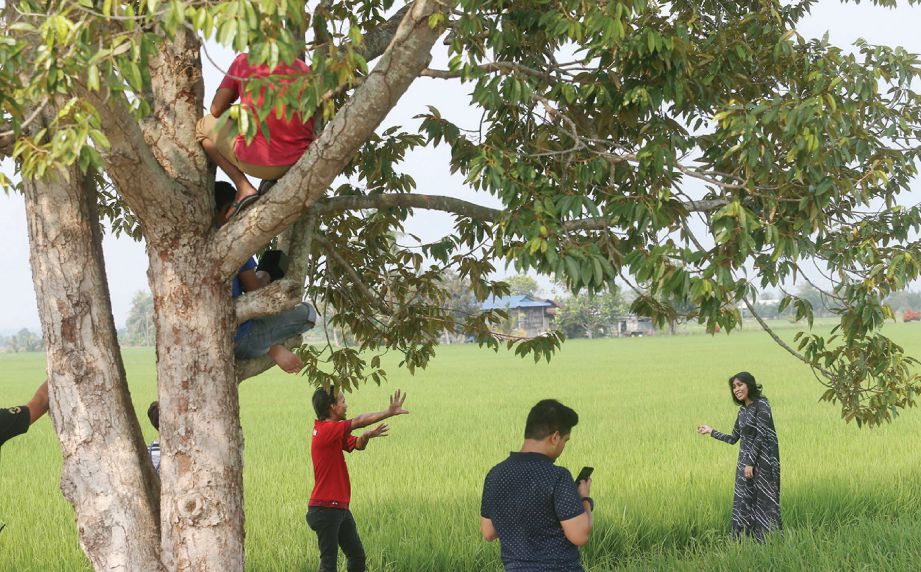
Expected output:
(533, 507)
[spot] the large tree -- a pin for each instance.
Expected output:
(694, 149)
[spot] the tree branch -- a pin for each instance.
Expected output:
(342, 263)
(298, 242)
(149, 191)
(6, 142)
(466, 208)
(781, 343)
(307, 181)
(489, 68)
(8, 134)
(377, 40)
(248, 368)
(406, 200)
(277, 297)
(177, 98)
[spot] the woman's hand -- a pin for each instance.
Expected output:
(704, 429)
(749, 471)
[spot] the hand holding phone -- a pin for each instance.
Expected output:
(584, 474)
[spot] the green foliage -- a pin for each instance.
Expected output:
(616, 108)
(602, 124)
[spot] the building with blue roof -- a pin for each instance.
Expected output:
(530, 316)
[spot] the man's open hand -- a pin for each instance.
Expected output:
(379, 431)
(396, 404)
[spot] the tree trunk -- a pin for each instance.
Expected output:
(201, 439)
(107, 474)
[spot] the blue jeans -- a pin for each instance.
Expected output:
(262, 333)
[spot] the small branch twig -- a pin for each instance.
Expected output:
(781, 343)
(375, 301)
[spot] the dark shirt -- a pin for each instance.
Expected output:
(526, 497)
(236, 289)
(13, 421)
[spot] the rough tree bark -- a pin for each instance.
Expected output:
(201, 439)
(107, 473)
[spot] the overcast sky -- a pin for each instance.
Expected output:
(126, 261)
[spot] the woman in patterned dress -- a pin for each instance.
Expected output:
(756, 503)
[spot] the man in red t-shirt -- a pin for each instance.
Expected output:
(264, 159)
(328, 511)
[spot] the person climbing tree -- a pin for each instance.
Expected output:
(266, 158)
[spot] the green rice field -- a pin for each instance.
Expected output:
(851, 499)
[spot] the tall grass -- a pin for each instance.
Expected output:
(851, 499)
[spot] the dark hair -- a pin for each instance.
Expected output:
(223, 195)
(548, 417)
(754, 390)
(153, 413)
(323, 399)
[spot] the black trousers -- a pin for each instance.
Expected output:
(336, 528)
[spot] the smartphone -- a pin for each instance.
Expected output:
(584, 474)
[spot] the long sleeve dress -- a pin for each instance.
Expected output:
(756, 503)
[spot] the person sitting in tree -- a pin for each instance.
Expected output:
(264, 158)
(261, 336)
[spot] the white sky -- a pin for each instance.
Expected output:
(126, 261)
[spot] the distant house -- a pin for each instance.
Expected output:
(531, 316)
(633, 326)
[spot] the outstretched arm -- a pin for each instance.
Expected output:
(395, 408)
(732, 439)
(362, 441)
(38, 406)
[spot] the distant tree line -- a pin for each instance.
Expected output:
(25, 340)
(579, 315)
(905, 301)
(139, 327)
(585, 315)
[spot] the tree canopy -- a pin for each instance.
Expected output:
(697, 150)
